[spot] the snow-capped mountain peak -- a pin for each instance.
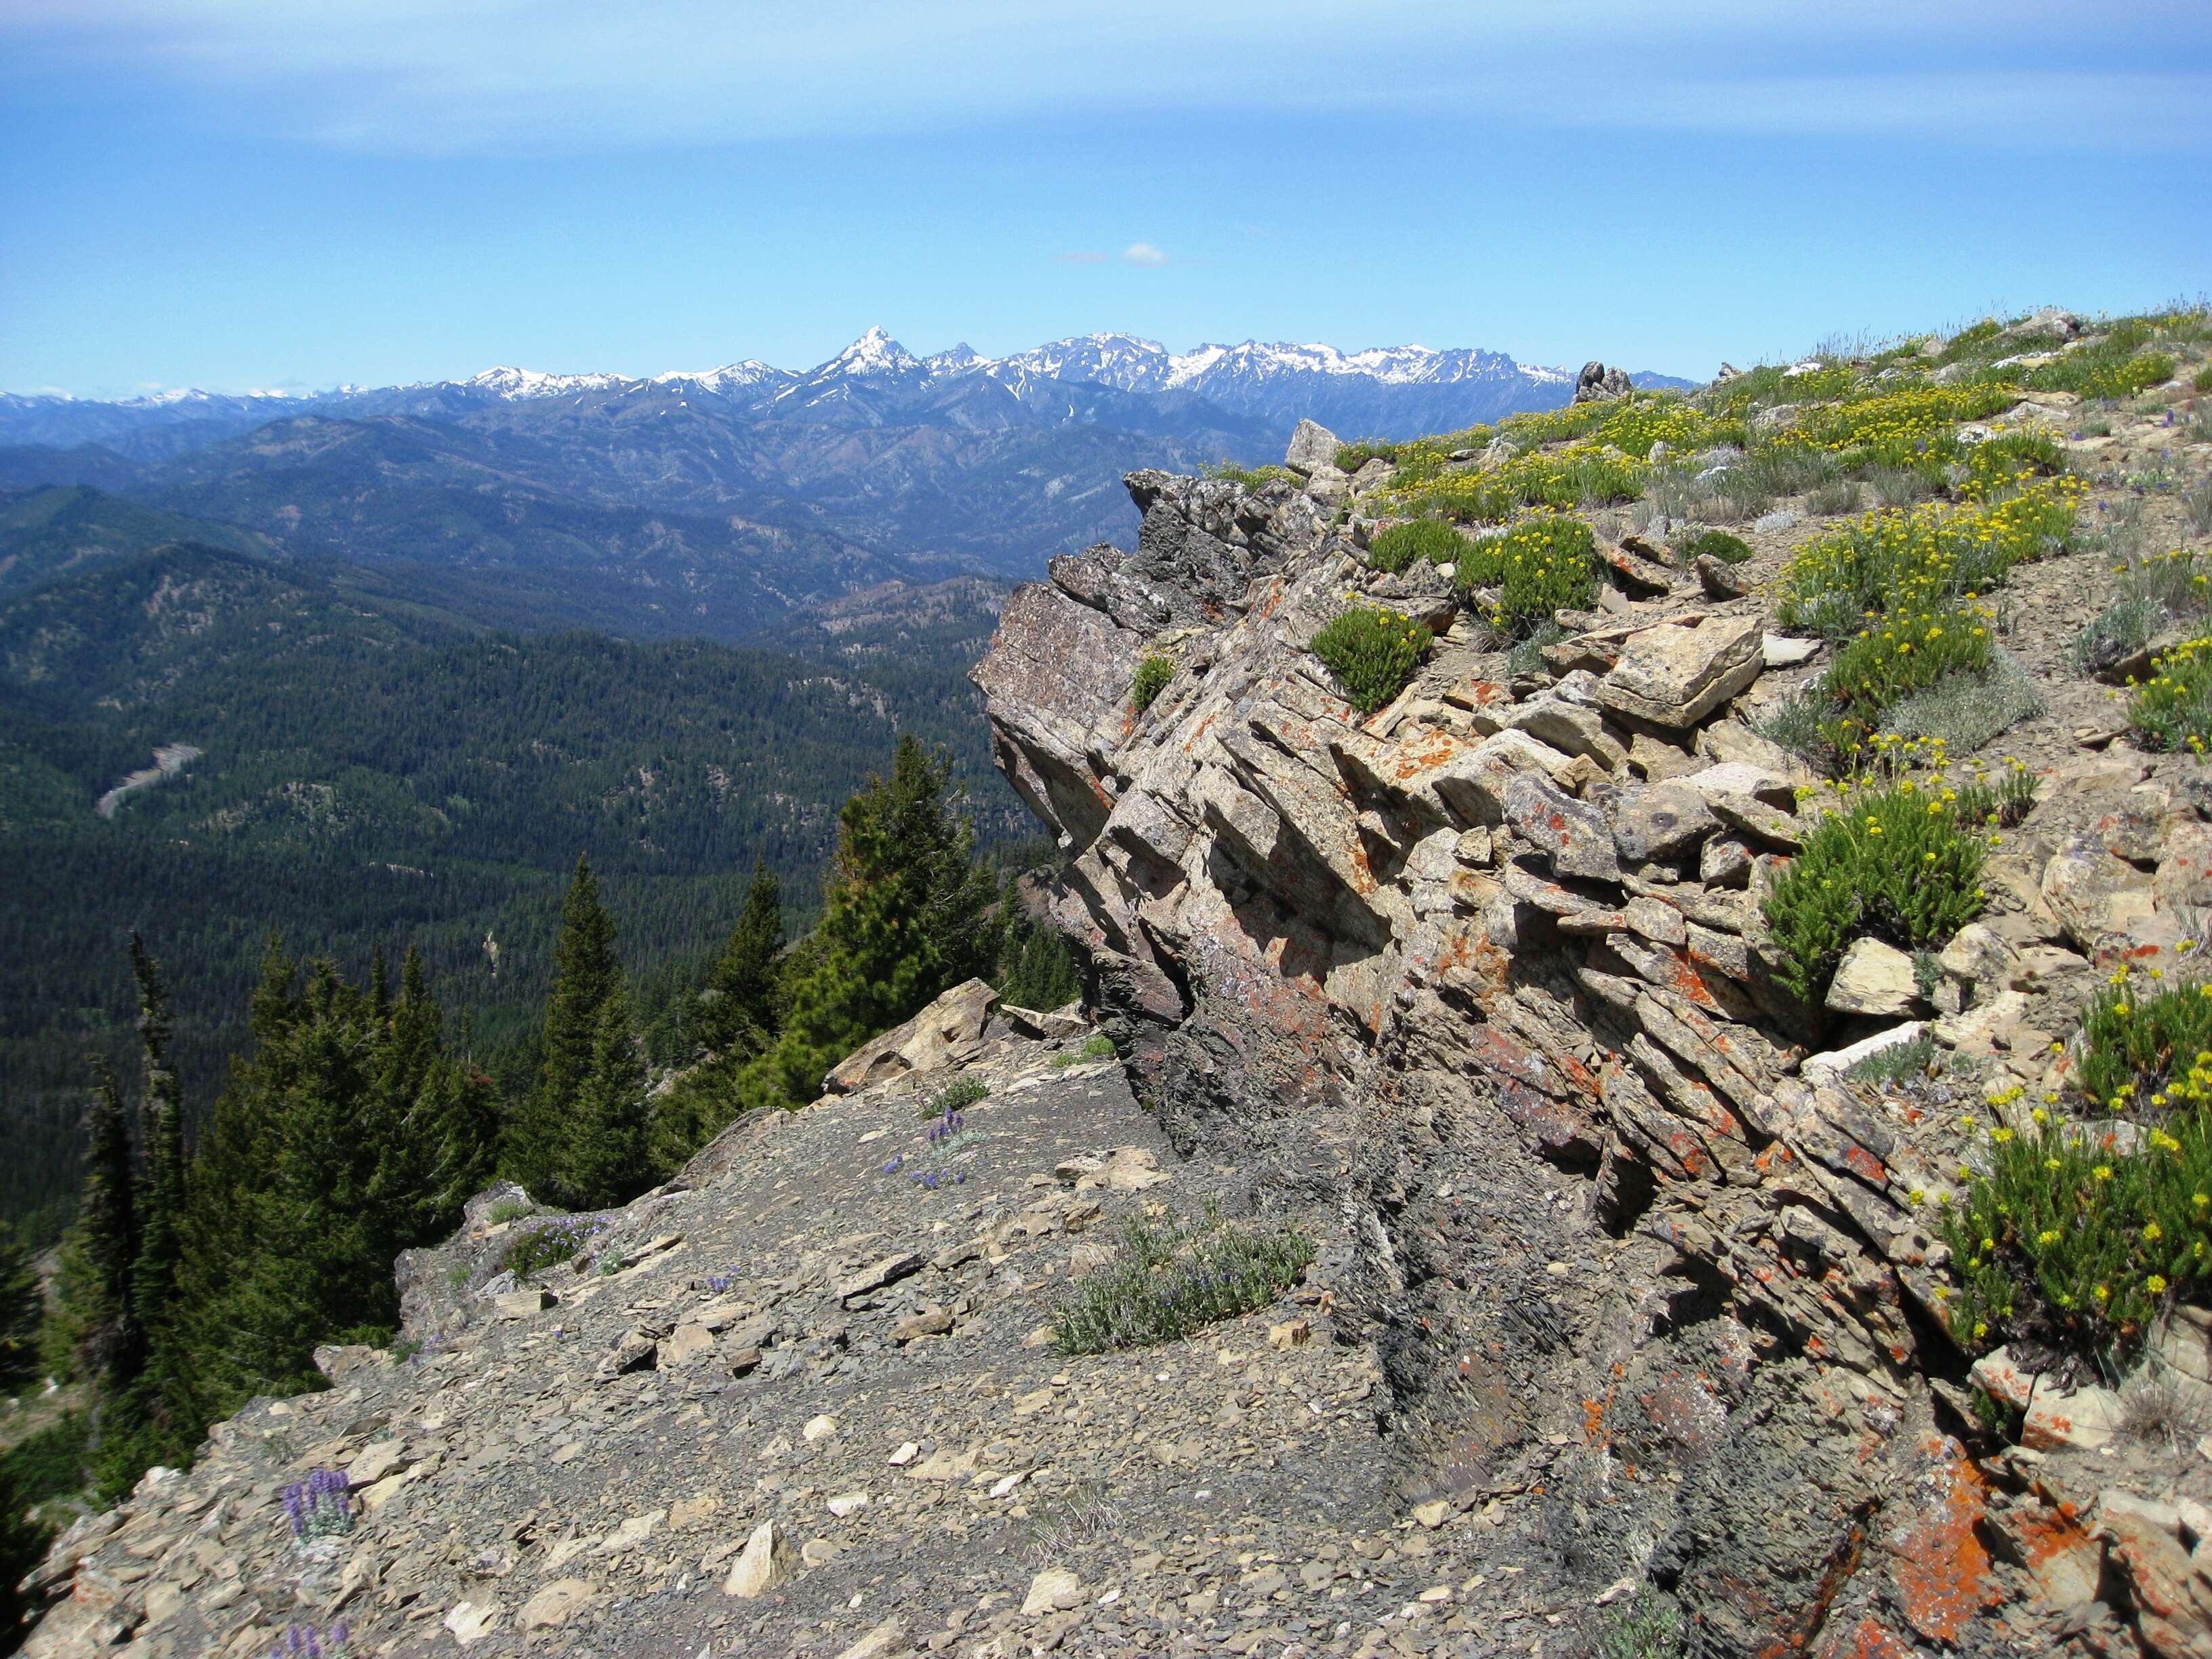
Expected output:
(873, 353)
(516, 385)
(731, 377)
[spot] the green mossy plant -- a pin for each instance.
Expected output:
(1373, 651)
(1153, 676)
(1728, 549)
(1542, 565)
(1901, 861)
(2173, 710)
(1429, 539)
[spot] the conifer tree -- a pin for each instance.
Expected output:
(162, 1132)
(21, 1311)
(95, 1323)
(739, 1015)
(902, 922)
(607, 1160)
(152, 1418)
(586, 973)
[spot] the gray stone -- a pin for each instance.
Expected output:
(1574, 833)
(1658, 824)
(1599, 384)
(1782, 651)
(1313, 447)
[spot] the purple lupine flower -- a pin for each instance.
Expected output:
(892, 1168)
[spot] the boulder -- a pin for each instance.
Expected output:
(1599, 384)
(1719, 578)
(1658, 824)
(943, 1034)
(1674, 676)
(765, 1562)
(1875, 979)
(1574, 833)
(1313, 447)
(1827, 1068)
(1743, 778)
(2096, 894)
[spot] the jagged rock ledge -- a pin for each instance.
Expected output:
(1485, 974)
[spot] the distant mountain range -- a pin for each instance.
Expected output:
(722, 502)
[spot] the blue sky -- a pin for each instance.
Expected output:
(297, 193)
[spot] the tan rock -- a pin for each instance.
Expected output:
(941, 1035)
(1875, 979)
(687, 1342)
(819, 1428)
(553, 1607)
(472, 1621)
(1673, 675)
(376, 1460)
(1054, 1590)
(765, 1562)
(885, 1641)
(1290, 1334)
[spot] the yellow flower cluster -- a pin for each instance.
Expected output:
(1925, 558)
(1894, 423)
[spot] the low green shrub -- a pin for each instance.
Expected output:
(2074, 1239)
(1649, 1626)
(1901, 655)
(1728, 549)
(548, 1244)
(1153, 676)
(512, 1209)
(1097, 1046)
(2147, 1045)
(2173, 710)
(1253, 477)
(1429, 539)
(1171, 1278)
(1968, 710)
(1583, 474)
(1902, 862)
(2202, 380)
(955, 1096)
(1899, 1062)
(1542, 565)
(2109, 369)
(1350, 458)
(1998, 463)
(1919, 561)
(1373, 651)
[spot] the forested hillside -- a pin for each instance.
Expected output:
(375, 772)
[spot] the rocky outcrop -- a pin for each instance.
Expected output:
(1485, 973)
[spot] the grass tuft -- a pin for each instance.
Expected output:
(1175, 1278)
(1153, 676)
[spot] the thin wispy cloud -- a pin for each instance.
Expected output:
(1144, 253)
(444, 76)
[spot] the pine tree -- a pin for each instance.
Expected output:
(152, 1418)
(607, 1160)
(22, 1309)
(739, 1015)
(902, 922)
(95, 1327)
(161, 1131)
(586, 973)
